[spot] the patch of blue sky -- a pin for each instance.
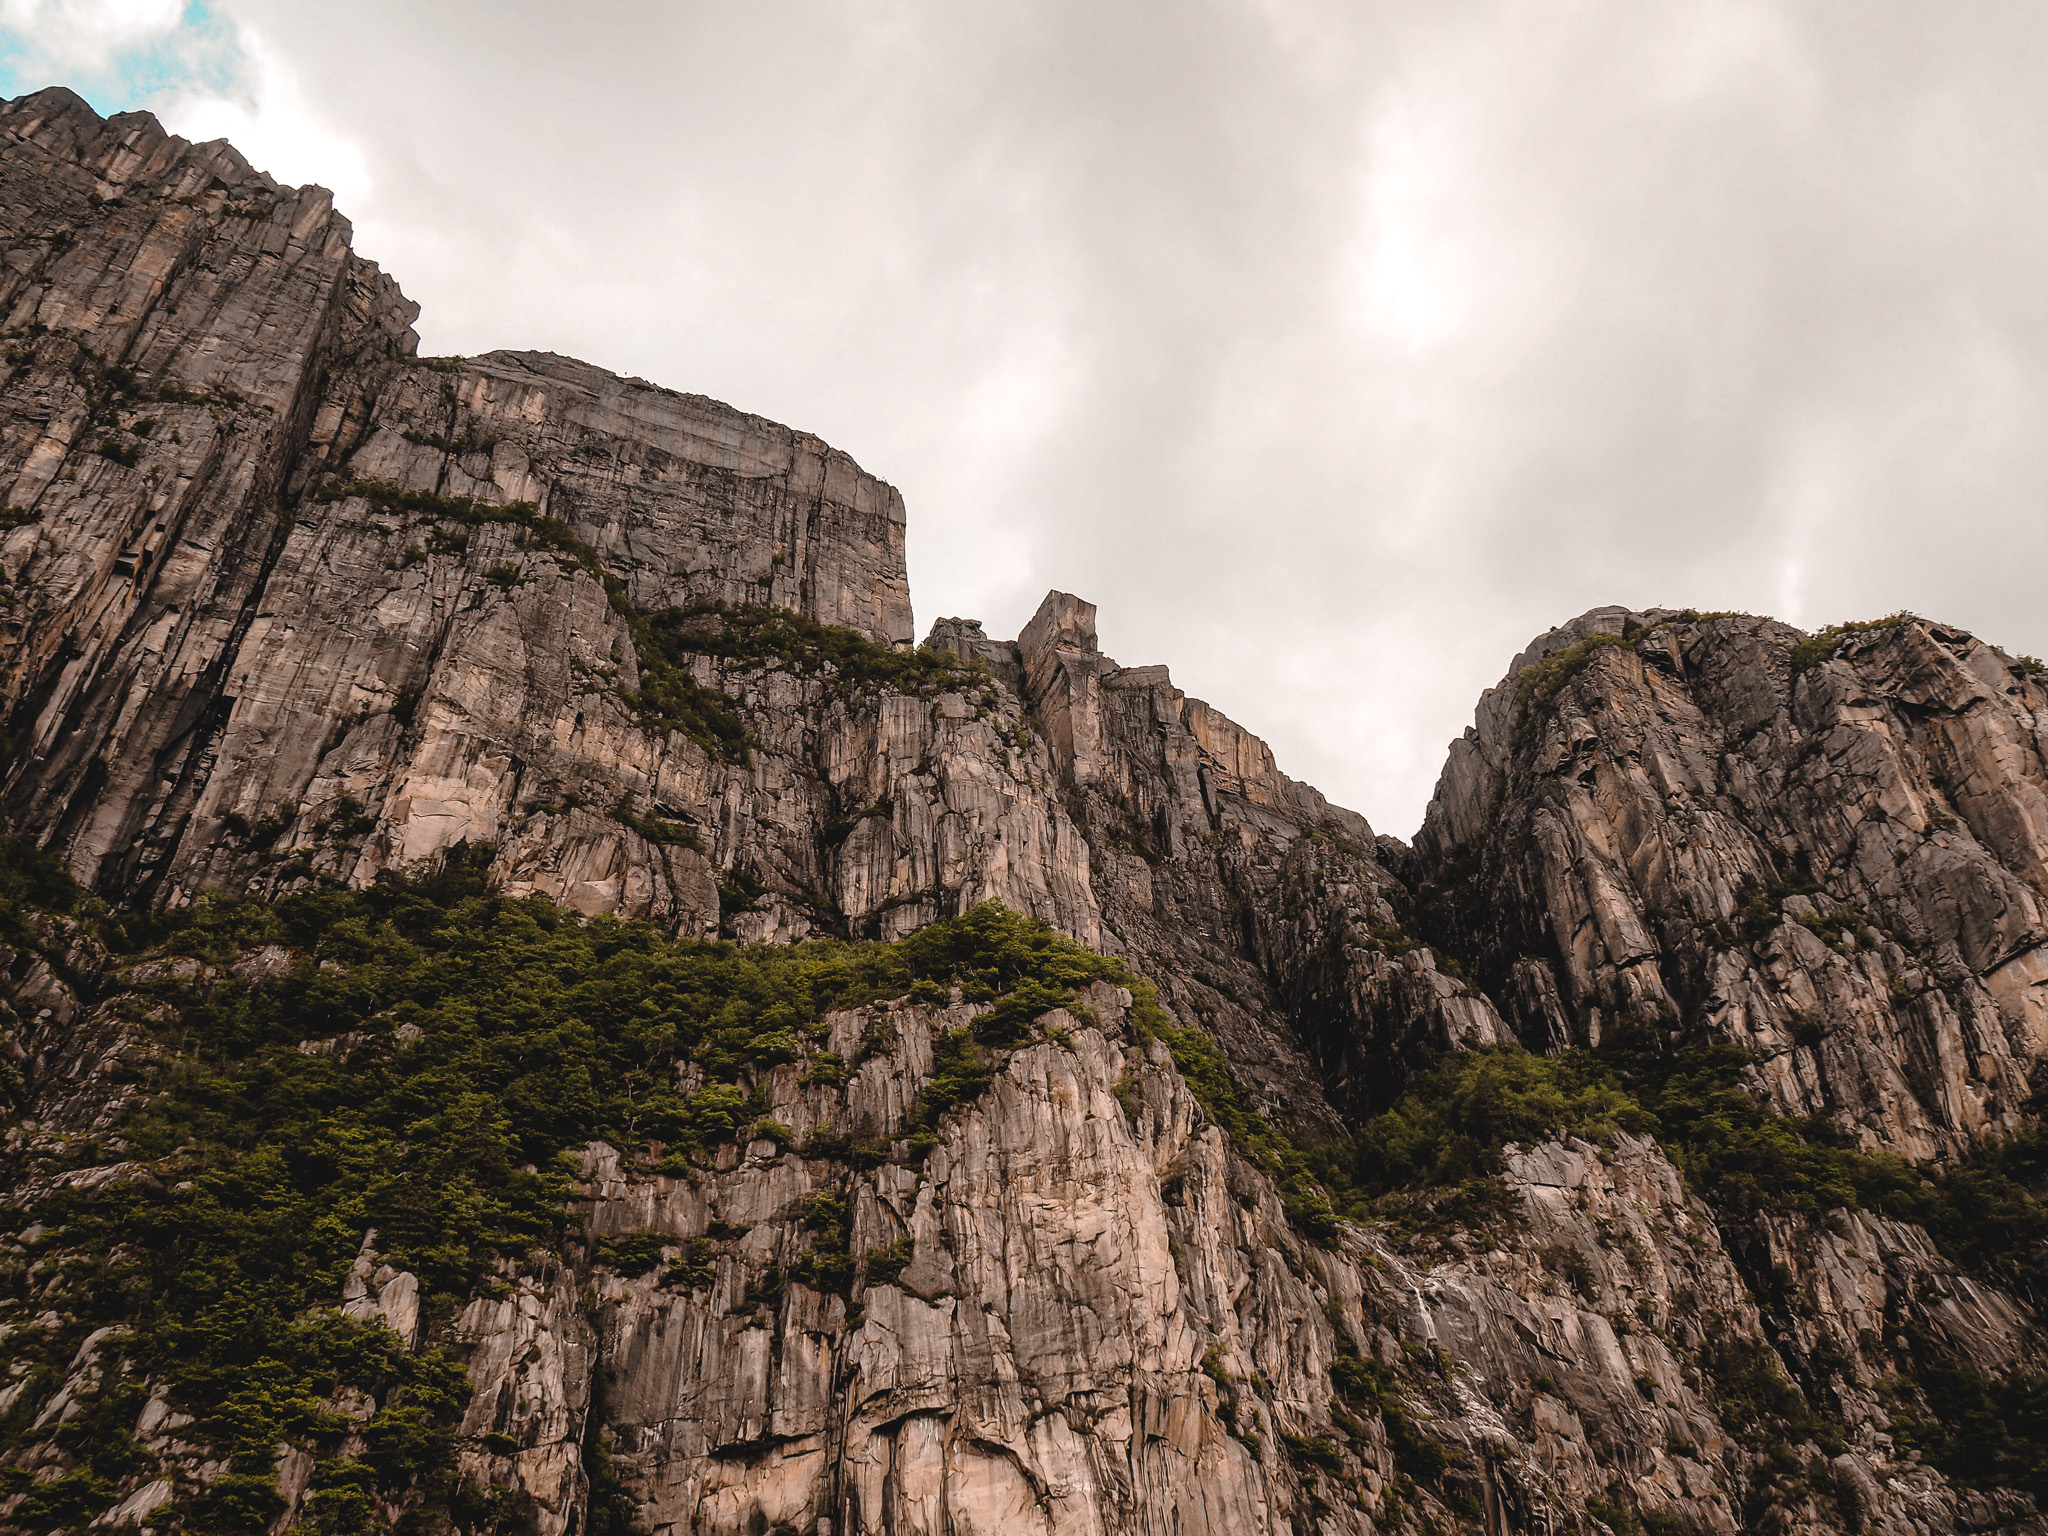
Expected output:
(199, 53)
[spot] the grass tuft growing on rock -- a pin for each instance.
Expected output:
(1538, 684)
(1431, 1162)
(667, 642)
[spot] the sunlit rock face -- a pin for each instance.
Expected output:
(286, 604)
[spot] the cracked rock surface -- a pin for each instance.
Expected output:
(1837, 859)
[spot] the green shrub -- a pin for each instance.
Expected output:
(70, 1500)
(633, 1253)
(1009, 1022)
(883, 1265)
(826, 1211)
(32, 879)
(1538, 684)
(823, 1141)
(1754, 1398)
(1821, 646)
(1429, 1162)
(1214, 1369)
(537, 1032)
(764, 1290)
(1372, 1388)
(238, 1504)
(959, 1076)
(1665, 1522)
(669, 697)
(787, 641)
(1314, 1451)
(342, 1506)
(694, 1269)
(1987, 1432)
(1614, 1514)
(657, 829)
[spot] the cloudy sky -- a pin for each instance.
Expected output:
(1334, 349)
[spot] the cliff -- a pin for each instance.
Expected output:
(1829, 851)
(1114, 1135)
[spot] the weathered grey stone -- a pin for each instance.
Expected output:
(1839, 866)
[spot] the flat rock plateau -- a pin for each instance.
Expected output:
(530, 1003)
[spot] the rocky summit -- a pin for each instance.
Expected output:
(531, 1005)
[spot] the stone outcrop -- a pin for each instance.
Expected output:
(1830, 852)
(1245, 893)
(1084, 1310)
(260, 632)
(286, 604)
(205, 629)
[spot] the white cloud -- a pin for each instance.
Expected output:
(269, 120)
(84, 35)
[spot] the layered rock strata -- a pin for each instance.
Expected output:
(271, 620)
(236, 597)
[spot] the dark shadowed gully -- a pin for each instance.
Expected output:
(530, 1006)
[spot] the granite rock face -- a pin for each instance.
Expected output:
(195, 642)
(1834, 854)
(1083, 1309)
(285, 604)
(1245, 893)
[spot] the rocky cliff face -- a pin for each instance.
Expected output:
(289, 611)
(1830, 851)
(1248, 895)
(249, 586)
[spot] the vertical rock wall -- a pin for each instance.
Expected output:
(1831, 854)
(194, 642)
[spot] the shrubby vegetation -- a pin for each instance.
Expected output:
(1429, 1164)
(1289, 1162)
(1538, 684)
(1371, 1387)
(795, 642)
(479, 1041)
(1983, 1431)
(1821, 646)
(475, 1044)
(32, 882)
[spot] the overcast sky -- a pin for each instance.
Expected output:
(1334, 349)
